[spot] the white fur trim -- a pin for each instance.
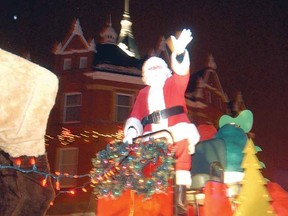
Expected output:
(182, 68)
(188, 131)
(183, 177)
(133, 122)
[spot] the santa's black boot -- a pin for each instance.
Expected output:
(181, 200)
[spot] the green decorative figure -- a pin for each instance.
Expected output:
(225, 147)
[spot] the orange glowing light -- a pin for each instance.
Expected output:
(94, 181)
(32, 161)
(18, 162)
(57, 185)
(44, 182)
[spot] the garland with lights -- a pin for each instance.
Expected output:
(32, 168)
(120, 167)
(117, 168)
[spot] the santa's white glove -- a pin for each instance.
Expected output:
(131, 134)
(179, 45)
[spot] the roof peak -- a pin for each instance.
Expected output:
(108, 34)
(211, 62)
(77, 27)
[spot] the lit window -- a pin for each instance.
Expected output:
(67, 64)
(124, 104)
(83, 62)
(67, 162)
(72, 107)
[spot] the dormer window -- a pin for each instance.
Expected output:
(67, 64)
(83, 62)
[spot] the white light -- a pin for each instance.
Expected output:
(233, 181)
(124, 47)
(232, 177)
(15, 17)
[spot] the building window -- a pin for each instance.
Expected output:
(67, 65)
(72, 107)
(67, 162)
(123, 108)
(83, 62)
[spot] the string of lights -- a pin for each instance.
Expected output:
(68, 137)
(54, 176)
(117, 168)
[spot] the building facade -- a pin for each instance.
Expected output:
(98, 85)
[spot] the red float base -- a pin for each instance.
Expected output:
(131, 204)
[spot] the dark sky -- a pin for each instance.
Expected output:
(247, 38)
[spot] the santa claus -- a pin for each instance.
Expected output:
(161, 105)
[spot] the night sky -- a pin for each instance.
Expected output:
(247, 38)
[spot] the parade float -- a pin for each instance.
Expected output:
(138, 179)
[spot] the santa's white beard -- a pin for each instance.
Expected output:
(155, 78)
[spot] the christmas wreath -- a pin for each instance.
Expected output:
(119, 167)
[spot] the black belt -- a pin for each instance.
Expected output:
(156, 116)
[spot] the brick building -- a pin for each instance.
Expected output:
(98, 85)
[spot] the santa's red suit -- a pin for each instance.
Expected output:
(165, 90)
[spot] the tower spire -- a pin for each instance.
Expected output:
(126, 6)
(110, 22)
(126, 39)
